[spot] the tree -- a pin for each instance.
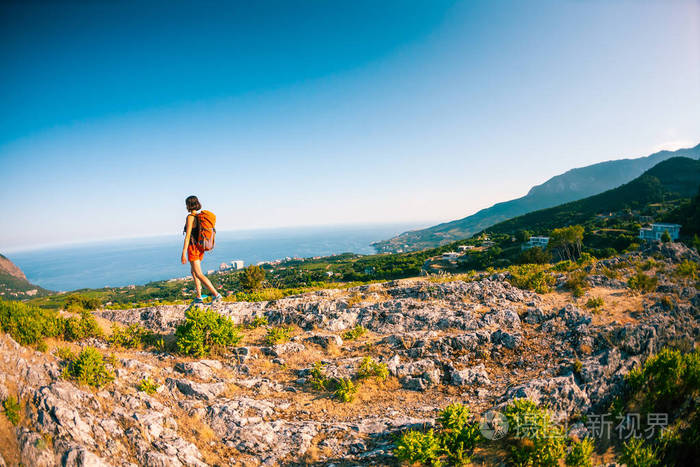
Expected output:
(696, 242)
(567, 241)
(251, 277)
(665, 237)
(523, 235)
(535, 255)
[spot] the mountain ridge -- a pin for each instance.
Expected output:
(676, 176)
(572, 185)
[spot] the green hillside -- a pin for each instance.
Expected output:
(572, 185)
(673, 179)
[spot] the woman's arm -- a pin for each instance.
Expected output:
(188, 233)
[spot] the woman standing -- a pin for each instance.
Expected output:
(193, 252)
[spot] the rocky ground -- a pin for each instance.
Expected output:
(482, 343)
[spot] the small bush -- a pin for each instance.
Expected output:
(688, 269)
(459, 435)
(64, 353)
(12, 409)
(610, 273)
(318, 378)
(131, 337)
(535, 255)
(258, 321)
(369, 368)
(453, 443)
(345, 389)
(580, 454)
(77, 302)
(81, 327)
(637, 454)
(642, 282)
(354, 333)
(278, 334)
(535, 439)
(148, 386)
(205, 331)
(594, 303)
(251, 278)
(29, 325)
(576, 283)
(88, 368)
(665, 237)
(416, 446)
(665, 379)
(531, 277)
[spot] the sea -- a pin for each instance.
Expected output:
(136, 261)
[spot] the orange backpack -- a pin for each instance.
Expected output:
(207, 232)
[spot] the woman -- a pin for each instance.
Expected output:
(194, 253)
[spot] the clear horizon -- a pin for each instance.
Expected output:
(302, 114)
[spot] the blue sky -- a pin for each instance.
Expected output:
(311, 113)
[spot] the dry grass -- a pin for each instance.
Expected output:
(9, 448)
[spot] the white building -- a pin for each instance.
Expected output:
(223, 267)
(237, 264)
(450, 255)
(655, 232)
(465, 247)
(539, 242)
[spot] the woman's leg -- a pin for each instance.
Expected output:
(197, 283)
(197, 269)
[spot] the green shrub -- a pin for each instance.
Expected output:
(531, 277)
(131, 337)
(148, 386)
(535, 439)
(354, 333)
(259, 320)
(459, 435)
(205, 331)
(345, 389)
(688, 269)
(64, 353)
(369, 368)
(610, 273)
(318, 378)
(12, 409)
(77, 302)
(576, 283)
(635, 453)
(278, 334)
(580, 454)
(416, 446)
(642, 282)
(665, 379)
(535, 255)
(89, 368)
(81, 327)
(251, 278)
(453, 442)
(668, 382)
(665, 237)
(594, 303)
(29, 325)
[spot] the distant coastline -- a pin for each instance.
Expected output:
(136, 261)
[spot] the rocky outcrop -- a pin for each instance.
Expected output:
(484, 343)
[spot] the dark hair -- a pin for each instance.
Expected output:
(193, 203)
